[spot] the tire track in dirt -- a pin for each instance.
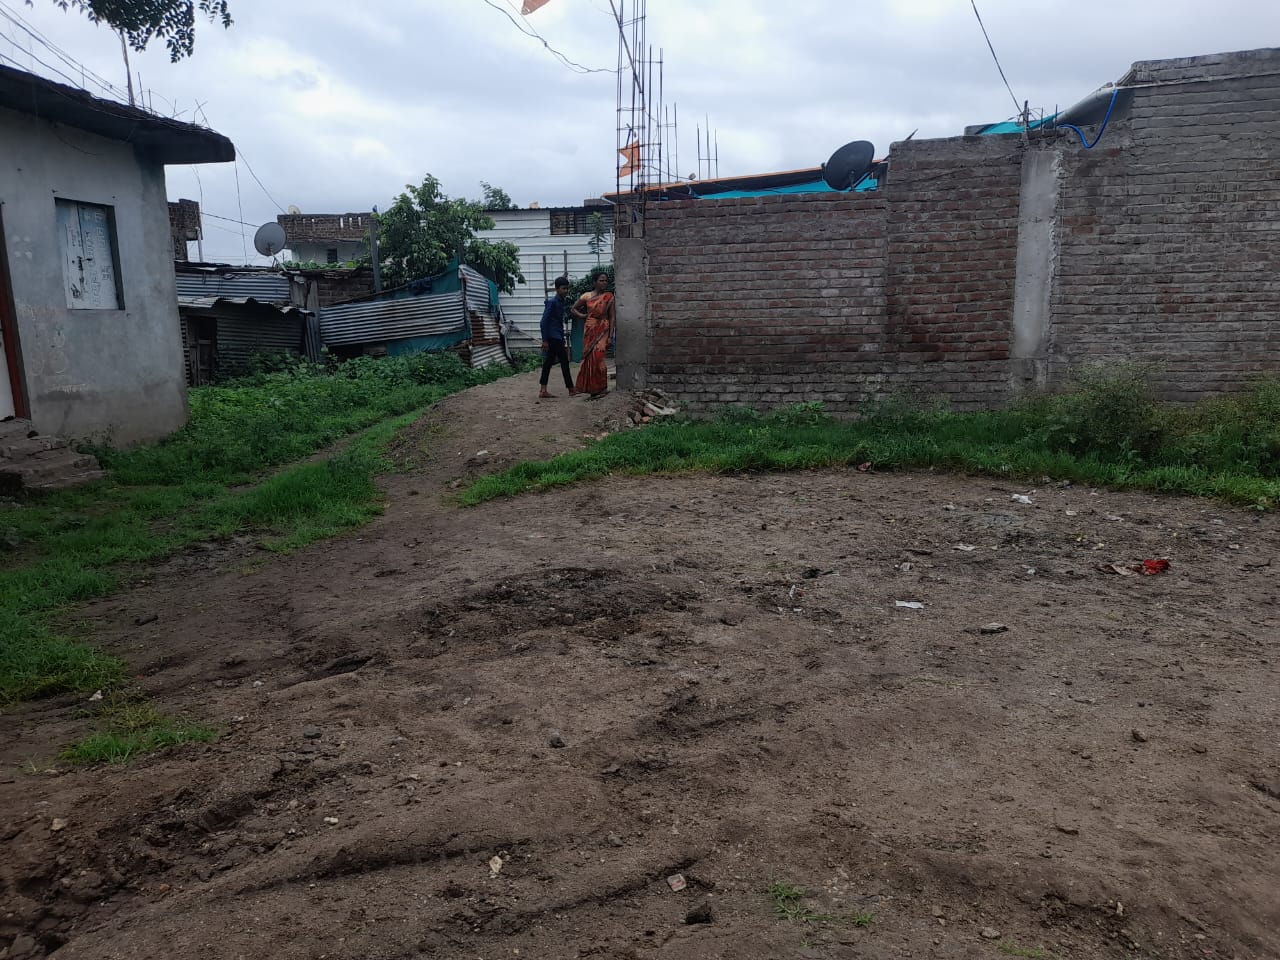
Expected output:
(738, 699)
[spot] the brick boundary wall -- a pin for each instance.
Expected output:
(841, 298)
(1169, 235)
(1163, 247)
(767, 300)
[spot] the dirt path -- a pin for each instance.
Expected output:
(607, 685)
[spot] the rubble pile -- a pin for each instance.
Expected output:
(647, 406)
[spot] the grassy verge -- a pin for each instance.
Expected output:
(1107, 430)
(198, 485)
(128, 726)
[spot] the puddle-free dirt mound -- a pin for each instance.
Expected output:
(462, 733)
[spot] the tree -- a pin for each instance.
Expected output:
(587, 282)
(140, 21)
(424, 229)
(495, 198)
(596, 225)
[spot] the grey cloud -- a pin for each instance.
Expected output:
(337, 106)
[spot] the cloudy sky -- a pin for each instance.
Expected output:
(335, 106)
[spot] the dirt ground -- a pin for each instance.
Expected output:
(495, 732)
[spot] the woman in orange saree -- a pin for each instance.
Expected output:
(596, 307)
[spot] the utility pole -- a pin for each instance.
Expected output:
(128, 71)
(373, 251)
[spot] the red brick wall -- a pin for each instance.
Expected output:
(1165, 248)
(953, 234)
(766, 300)
(339, 286)
(1169, 237)
(321, 227)
(841, 297)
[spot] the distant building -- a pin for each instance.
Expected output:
(326, 237)
(184, 227)
(235, 317)
(88, 311)
(553, 242)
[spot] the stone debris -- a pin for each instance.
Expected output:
(647, 406)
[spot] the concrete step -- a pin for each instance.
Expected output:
(14, 428)
(19, 447)
(50, 470)
(68, 481)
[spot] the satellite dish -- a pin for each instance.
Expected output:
(294, 210)
(269, 240)
(848, 165)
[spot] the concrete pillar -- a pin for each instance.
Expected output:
(1037, 260)
(631, 287)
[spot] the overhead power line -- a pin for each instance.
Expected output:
(1017, 106)
(530, 32)
(14, 17)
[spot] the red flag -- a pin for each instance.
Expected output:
(531, 5)
(631, 154)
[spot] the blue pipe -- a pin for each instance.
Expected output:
(1115, 92)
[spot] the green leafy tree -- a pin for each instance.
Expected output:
(141, 21)
(424, 229)
(596, 224)
(588, 281)
(495, 198)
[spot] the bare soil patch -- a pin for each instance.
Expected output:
(607, 685)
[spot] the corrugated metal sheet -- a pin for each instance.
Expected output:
(483, 356)
(265, 286)
(267, 308)
(240, 340)
(476, 288)
(378, 321)
(530, 230)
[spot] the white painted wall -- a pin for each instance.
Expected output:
(530, 230)
(319, 252)
(113, 372)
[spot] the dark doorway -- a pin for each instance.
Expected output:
(12, 401)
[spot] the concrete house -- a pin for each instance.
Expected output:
(88, 311)
(326, 237)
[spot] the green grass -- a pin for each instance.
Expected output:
(789, 904)
(128, 727)
(212, 479)
(1032, 953)
(1107, 431)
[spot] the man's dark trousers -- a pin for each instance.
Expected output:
(556, 351)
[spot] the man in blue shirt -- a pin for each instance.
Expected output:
(553, 345)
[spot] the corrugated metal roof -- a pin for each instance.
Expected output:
(378, 321)
(212, 303)
(264, 286)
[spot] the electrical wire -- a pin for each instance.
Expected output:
(530, 32)
(215, 216)
(243, 242)
(199, 108)
(258, 182)
(26, 27)
(48, 66)
(1101, 130)
(1016, 105)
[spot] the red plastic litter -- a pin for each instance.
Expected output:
(1152, 567)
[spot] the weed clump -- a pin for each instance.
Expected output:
(1107, 428)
